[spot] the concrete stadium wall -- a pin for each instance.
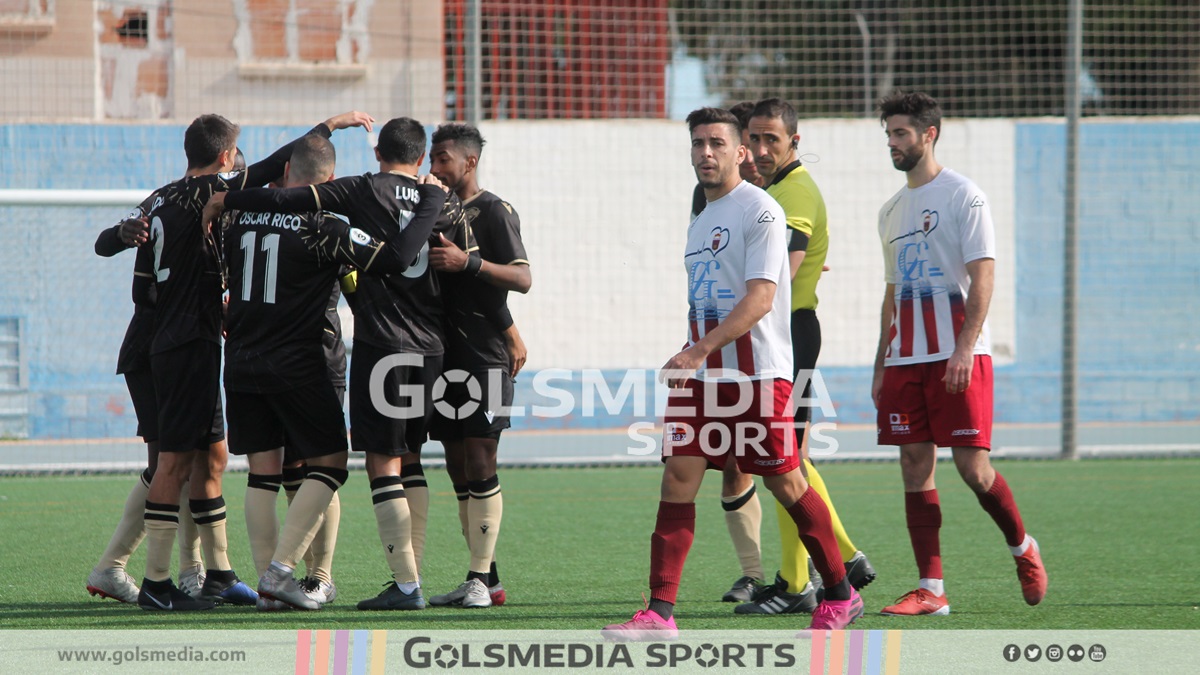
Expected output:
(604, 209)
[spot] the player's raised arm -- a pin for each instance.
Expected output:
(270, 169)
(351, 246)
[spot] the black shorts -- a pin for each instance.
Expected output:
(187, 388)
(398, 425)
(141, 391)
(289, 455)
(306, 420)
(464, 404)
(806, 347)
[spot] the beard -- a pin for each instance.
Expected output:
(908, 160)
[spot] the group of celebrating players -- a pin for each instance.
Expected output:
(425, 264)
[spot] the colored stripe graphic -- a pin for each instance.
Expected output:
(837, 651)
(303, 643)
(359, 662)
(856, 653)
(874, 651)
(341, 651)
(378, 651)
(892, 666)
(816, 663)
(321, 655)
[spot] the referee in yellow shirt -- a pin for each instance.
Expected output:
(773, 142)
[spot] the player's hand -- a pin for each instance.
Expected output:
(516, 350)
(445, 256)
(825, 268)
(346, 120)
(958, 371)
(212, 210)
(676, 371)
(430, 179)
(134, 231)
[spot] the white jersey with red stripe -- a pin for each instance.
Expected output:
(929, 234)
(737, 238)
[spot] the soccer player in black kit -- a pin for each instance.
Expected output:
(475, 347)
(109, 578)
(185, 356)
(277, 383)
(398, 342)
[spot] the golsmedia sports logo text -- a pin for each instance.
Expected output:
(425, 653)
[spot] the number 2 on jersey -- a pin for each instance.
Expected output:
(159, 236)
(270, 245)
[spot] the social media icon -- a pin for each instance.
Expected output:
(1012, 653)
(1054, 653)
(1075, 653)
(1033, 652)
(1097, 653)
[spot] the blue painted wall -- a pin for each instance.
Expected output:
(1140, 274)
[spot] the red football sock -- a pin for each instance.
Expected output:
(669, 546)
(1001, 506)
(816, 531)
(924, 520)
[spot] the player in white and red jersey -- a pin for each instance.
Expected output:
(734, 381)
(933, 369)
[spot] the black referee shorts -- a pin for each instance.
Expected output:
(306, 420)
(466, 404)
(806, 347)
(187, 389)
(393, 421)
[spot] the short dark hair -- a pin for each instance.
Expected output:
(313, 158)
(401, 141)
(742, 112)
(922, 109)
(463, 135)
(206, 138)
(702, 116)
(239, 161)
(776, 108)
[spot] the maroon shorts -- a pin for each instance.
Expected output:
(914, 406)
(750, 421)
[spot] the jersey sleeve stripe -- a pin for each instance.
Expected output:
(316, 196)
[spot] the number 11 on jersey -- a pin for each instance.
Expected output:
(270, 245)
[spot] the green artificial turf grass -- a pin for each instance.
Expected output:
(1119, 539)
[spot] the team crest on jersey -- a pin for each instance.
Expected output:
(471, 214)
(929, 221)
(720, 239)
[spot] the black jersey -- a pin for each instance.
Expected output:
(402, 312)
(474, 341)
(135, 348)
(183, 262)
(281, 269)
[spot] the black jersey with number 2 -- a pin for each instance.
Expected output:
(184, 262)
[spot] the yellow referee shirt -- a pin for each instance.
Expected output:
(808, 229)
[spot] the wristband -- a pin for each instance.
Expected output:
(474, 265)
